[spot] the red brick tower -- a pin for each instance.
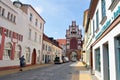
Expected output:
(73, 42)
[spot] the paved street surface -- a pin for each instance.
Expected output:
(66, 71)
(52, 72)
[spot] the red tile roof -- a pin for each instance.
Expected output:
(61, 41)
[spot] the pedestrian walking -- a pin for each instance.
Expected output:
(22, 62)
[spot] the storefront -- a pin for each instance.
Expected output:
(106, 52)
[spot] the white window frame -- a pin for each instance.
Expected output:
(7, 51)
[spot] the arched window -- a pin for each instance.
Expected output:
(27, 54)
(17, 51)
(7, 51)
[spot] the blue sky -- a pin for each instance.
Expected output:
(59, 14)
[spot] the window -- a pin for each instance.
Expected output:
(8, 16)
(20, 37)
(40, 25)
(68, 47)
(10, 34)
(0, 10)
(36, 22)
(112, 0)
(43, 57)
(31, 16)
(11, 17)
(7, 32)
(93, 27)
(17, 52)
(7, 51)
(103, 8)
(14, 19)
(38, 58)
(49, 48)
(97, 60)
(29, 34)
(43, 46)
(35, 36)
(27, 54)
(3, 12)
(68, 42)
(97, 20)
(39, 38)
(117, 56)
(114, 3)
(46, 48)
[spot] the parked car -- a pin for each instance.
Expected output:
(73, 59)
(65, 59)
(57, 60)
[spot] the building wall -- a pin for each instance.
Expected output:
(109, 38)
(36, 32)
(11, 26)
(51, 49)
(47, 52)
(104, 40)
(20, 27)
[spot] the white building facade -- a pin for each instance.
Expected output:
(48, 54)
(15, 36)
(105, 22)
(35, 30)
(51, 49)
(87, 40)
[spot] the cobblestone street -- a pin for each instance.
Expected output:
(52, 72)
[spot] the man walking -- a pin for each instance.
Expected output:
(22, 62)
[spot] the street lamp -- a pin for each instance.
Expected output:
(17, 3)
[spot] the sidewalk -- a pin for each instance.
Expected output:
(84, 74)
(11, 71)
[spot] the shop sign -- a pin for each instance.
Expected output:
(115, 15)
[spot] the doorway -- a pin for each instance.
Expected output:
(106, 61)
(117, 56)
(34, 57)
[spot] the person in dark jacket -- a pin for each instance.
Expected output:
(22, 62)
